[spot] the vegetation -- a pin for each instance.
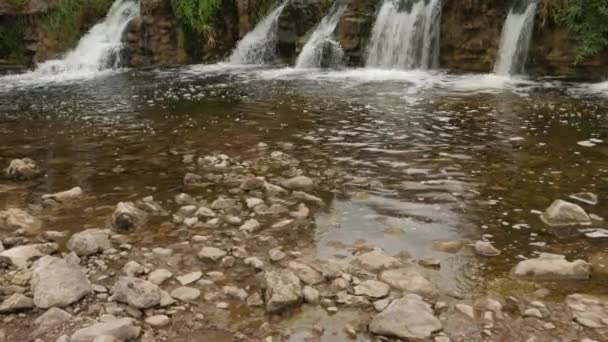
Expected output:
(18, 4)
(588, 20)
(260, 10)
(63, 21)
(11, 42)
(196, 14)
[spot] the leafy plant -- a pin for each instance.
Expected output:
(196, 14)
(588, 20)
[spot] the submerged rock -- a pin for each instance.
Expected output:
(89, 242)
(282, 290)
(585, 197)
(408, 318)
(68, 197)
(136, 292)
(372, 288)
(127, 217)
(306, 273)
(20, 256)
(58, 282)
(13, 219)
(552, 267)
(589, 311)
(298, 183)
(211, 253)
(376, 260)
(121, 329)
(561, 213)
(22, 169)
(485, 248)
(409, 279)
(448, 246)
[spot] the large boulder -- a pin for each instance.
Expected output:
(282, 290)
(21, 256)
(561, 213)
(68, 197)
(408, 279)
(58, 282)
(552, 267)
(121, 329)
(22, 169)
(89, 242)
(136, 292)
(408, 317)
(13, 219)
(127, 217)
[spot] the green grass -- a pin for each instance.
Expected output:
(196, 14)
(588, 20)
(11, 42)
(63, 22)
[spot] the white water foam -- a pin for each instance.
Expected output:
(515, 40)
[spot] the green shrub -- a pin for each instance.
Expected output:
(196, 14)
(260, 10)
(63, 22)
(588, 20)
(11, 42)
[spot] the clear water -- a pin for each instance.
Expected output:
(515, 40)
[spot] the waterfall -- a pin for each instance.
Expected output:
(99, 48)
(259, 45)
(320, 47)
(515, 38)
(405, 35)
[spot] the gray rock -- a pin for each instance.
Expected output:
(127, 217)
(52, 318)
(376, 260)
(22, 169)
(189, 278)
(136, 292)
(250, 226)
(372, 288)
(186, 294)
(408, 318)
(409, 280)
(252, 183)
(466, 310)
(211, 253)
(585, 197)
(485, 248)
(552, 267)
(306, 197)
(306, 273)
(58, 283)
(448, 246)
(158, 321)
(68, 197)
(122, 329)
(13, 219)
(204, 212)
(282, 290)
(533, 312)
(234, 292)
(298, 183)
(133, 269)
(159, 276)
(311, 295)
(562, 213)
(20, 256)
(302, 212)
(105, 338)
(587, 310)
(89, 242)
(16, 302)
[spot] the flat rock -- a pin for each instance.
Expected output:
(372, 289)
(186, 294)
(306, 273)
(409, 279)
(68, 197)
(282, 290)
(589, 311)
(12, 219)
(136, 292)
(408, 317)
(58, 283)
(89, 242)
(21, 256)
(211, 253)
(158, 321)
(298, 183)
(585, 197)
(376, 260)
(189, 278)
(22, 169)
(552, 267)
(466, 310)
(122, 329)
(16, 302)
(561, 213)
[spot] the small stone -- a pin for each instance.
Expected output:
(189, 278)
(533, 312)
(250, 226)
(136, 292)
(485, 248)
(562, 213)
(58, 283)
(585, 197)
(552, 267)
(222, 305)
(466, 310)
(122, 329)
(15, 303)
(276, 254)
(254, 262)
(448, 246)
(158, 321)
(298, 183)
(408, 317)
(211, 253)
(159, 276)
(133, 269)
(381, 304)
(255, 300)
(306, 273)
(22, 169)
(13, 219)
(376, 260)
(283, 290)
(409, 280)
(311, 295)
(67, 197)
(372, 289)
(185, 294)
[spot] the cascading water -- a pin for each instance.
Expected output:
(405, 35)
(100, 48)
(320, 46)
(259, 45)
(515, 38)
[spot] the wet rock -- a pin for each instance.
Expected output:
(13, 219)
(234, 292)
(311, 295)
(306, 273)
(276, 254)
(68, 197)
(185, 294)
(20, 256)
(58, 283)
(223, 203)
(189, 278)
(51, 318)
(282, 290)
(303, 196)
(585, 197)
(485, 248)
(136, 292)
(408, 318)
(448, 246)
(274, 190)
(158, 321)
(533, 312)
(302, 212)
(376, 260)
(282, 224)
(204, 212)
(298, 183)
(599, 263)
(127, 217)
(552, 267)
(133, 269)
(588, 311)
(252, 183)
(89, 242)
(250, 226)
(372, 289)
(184, 199)
(122, 329)
(409, 280)
(16, 302)
(22, 169)
(211, 253)
(561, 213)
